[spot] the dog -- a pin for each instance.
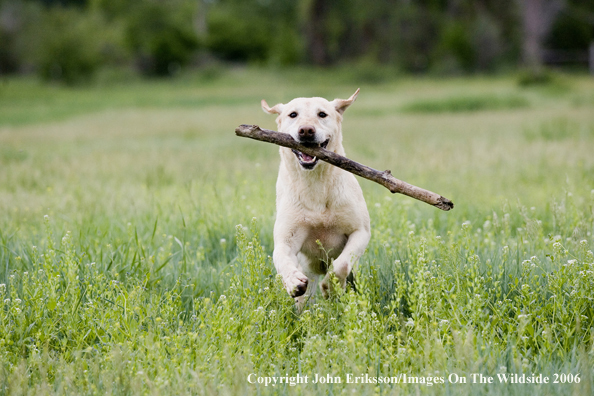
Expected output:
(321, 214)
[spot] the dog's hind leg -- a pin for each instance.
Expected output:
(344, 263)
(351, 281)
(326, 285)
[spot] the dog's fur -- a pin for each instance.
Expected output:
(321, 214)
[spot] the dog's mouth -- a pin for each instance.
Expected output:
(307, 161)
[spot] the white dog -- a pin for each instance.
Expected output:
(321, 212)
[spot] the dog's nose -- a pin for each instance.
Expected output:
(307, 132)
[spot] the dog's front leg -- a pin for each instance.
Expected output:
(287, 244)
(344, 263)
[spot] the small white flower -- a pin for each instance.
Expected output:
(17, 300)
(390, 337)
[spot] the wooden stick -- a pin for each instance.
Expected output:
(384, 178)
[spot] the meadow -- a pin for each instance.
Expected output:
(136, 235)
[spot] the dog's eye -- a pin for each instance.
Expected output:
(293, 115)
(321, 114)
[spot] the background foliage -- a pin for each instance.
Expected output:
(71, 40)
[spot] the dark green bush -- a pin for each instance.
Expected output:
(288, 47)
(161, 35)
(570, 33)
(8, 61)
(456, 42)
(70, 45)
(231, 36)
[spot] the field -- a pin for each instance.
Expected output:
(136, 234)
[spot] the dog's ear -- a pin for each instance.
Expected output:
(276, 109)
(341, 104)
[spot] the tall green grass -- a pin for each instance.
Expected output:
(135, 243)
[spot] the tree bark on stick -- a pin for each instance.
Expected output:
(384, 178)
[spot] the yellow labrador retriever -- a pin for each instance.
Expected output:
(320, 210)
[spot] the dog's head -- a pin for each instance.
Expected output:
(311, 121)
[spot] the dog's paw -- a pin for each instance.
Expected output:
(296, 284)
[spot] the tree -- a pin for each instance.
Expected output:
(537, 19)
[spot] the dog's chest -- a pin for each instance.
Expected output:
(324, 243)
(327, 234)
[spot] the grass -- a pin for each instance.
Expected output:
(135, 235)
(466, 104)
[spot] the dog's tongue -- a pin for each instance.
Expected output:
(306, 158)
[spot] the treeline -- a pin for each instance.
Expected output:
(70, 40)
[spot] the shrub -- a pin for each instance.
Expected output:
(456, 42)
(161, 36)
(233, 37)
(70, 45)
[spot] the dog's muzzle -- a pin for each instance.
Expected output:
(307, 161)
